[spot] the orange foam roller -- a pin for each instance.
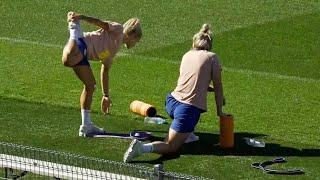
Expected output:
(226, 131)
(143, 109)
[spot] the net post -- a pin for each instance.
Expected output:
(158, 171)
(5, 172)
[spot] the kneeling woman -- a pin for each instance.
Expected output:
(199, 67)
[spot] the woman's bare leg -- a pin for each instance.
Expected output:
(172, 144)
(71, 54)
(85, 74)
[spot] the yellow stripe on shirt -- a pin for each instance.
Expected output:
(104, 54)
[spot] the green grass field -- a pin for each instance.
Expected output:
(270, 55)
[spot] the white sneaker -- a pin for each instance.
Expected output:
(254, 143)
(192, 138)
(134, 150)
(90, 130)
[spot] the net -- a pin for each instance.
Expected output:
(25, 162)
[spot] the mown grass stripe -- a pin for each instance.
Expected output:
(149, 58)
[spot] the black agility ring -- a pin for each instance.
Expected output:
(263, 166)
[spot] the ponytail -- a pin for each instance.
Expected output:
(205, 29)
(203, 40)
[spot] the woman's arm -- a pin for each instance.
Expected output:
(102, 24)
(211, 89)
(106, 101)
(216, 78)
(91, 20)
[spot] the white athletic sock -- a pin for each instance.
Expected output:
(75, 30)
(85, 114)
(147, 148)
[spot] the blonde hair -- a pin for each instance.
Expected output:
(203, 39)
(132, 26)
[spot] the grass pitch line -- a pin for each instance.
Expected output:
(24, 41)
(147, 58)
(234, 70)
(276, 75)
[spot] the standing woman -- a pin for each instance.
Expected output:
(199, 67)
(101, 45)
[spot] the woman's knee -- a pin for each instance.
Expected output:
(173, 147)
(71, 59)
(67, 57)
(71, 56)
(66, 60)
(90, 88)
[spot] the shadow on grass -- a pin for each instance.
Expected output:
(46, 116)
(208, 145)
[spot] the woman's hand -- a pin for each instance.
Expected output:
(73, 17)
(105, 105)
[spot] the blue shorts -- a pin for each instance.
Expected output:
(185, 117)
(83, 49)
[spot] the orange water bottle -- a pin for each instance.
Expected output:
(226, 131)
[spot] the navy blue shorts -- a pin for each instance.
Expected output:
(185, 117)
(83, 49)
